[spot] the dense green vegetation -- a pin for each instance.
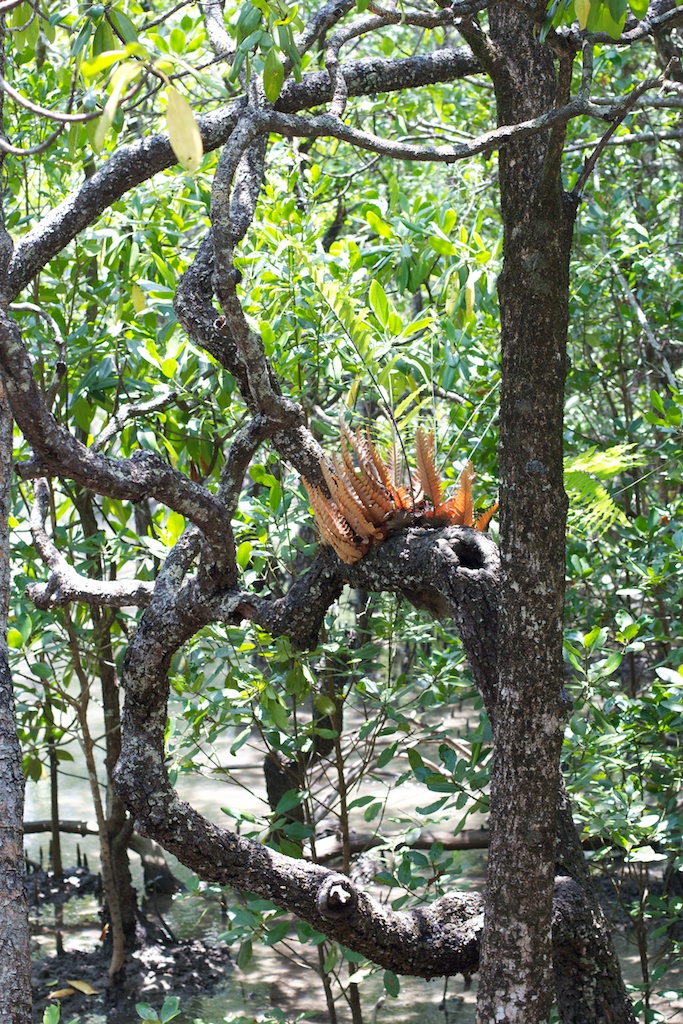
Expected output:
(372, 283)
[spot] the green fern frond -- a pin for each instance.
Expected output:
(592, 510)
(606, 463)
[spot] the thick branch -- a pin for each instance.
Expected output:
(58, 453)
(440, 939)
(131, 165)
(451, 572)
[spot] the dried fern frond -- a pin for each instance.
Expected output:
(486, 517)
(347, 502)
(334, 529)
(459, 508)
(366, 484)
(366, 500)
(426, 470)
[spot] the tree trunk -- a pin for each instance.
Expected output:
(15, 956)
(517, 958)
(516, 965)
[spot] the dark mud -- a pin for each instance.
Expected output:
(152, 973)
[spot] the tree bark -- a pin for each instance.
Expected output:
(15, 954)
(516, 973)
(516, 983)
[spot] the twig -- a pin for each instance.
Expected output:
(35, 108)
(129, 412)
(60, 365)
(7, 147)
(618, 116)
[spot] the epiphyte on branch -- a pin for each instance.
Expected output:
(366, 499)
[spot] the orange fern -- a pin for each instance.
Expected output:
(366, 500)
(427, 472)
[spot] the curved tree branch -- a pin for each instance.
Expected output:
(59, 453)
(65, 585)
(449, 569)
(131, 165)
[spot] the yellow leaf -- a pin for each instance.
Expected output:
(183, 133)
(104, 60)
(582, 8)
(120, 80)
(138, 296)
(61, 993)
(353, 393)
(469, 298)
(83, 987)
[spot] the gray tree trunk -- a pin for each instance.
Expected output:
(15, 957)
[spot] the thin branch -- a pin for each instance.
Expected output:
(129, 412)
(166, 15)
(327, 125)
(241, 452)
(35, 108)
(65, 585)
(321, 22)
(428, 19)
(60, 365)
(632, 138)
(617, 115)
(8, 5)
(7, 147)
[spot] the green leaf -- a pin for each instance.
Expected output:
(617, 9)
(612, 664)
(92, 68)
(392, 986)
(442, 246)
(325, 705)
(243, 554)
(42, 671)
(387, 754)
(330, 959)
(183, 132)
(273, 75)
(123, 25)
(379, 302)
(277, 712)
(15, 639)
(146, 1011)
(170, 1009)
(644, 855)
(372, 810)
(245, 954)
(292, 798)
(582, 9)
(378, 225)
(414, 758)
(639, 7)
(276, 933)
